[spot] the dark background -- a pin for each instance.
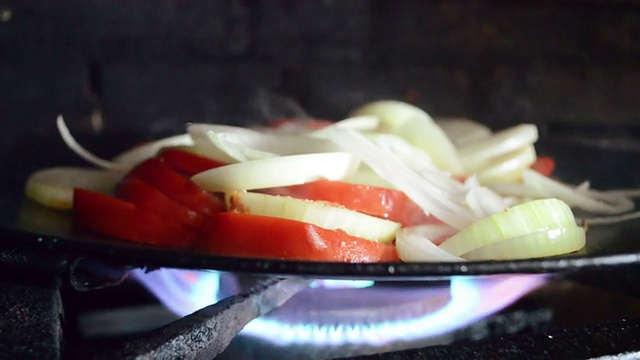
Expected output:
(166, 62)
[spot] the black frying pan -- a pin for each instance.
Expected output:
(609, 161)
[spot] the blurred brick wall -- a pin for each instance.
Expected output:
(165, 62)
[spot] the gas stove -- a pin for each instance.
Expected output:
(59, 308)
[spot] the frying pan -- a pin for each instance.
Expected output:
(607, 158)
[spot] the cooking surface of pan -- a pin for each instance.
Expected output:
(608, 161)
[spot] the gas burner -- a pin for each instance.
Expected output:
(351, 317)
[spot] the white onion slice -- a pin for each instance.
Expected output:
(234, 150)
(591, 200)
(425, 194)
(53, 187)
(463, 131)
(516, 221)
(610, 220)
(359, 123)
(508, 168)
(630, 193)
(148, 150)
(482, 201)
(415, 125)
(418, 160)
(414, 245)
(477, 154)
(319, 213)
(278, 171)
(232, 144)
(549, 242)
(84, 153)
(126, 160)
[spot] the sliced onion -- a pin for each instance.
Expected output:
(508, 168)
(519, 220)
(521, 190)
(53, 187)
(463, 131)
(414, 245)
(232, 144)
(591, 200)
(476, 155)
(359, 123)
(319, 213)
(84, 153)
(148, 150)
(549, 242)
(610, 220)
(432, 200)
(128, 159)
(234, 150)
(417, 127)
(278, 171)
(630, 193)
(417, 160)
(482, 201)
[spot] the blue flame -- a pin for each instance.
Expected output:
(470, 299)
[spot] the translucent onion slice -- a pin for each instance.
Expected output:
(319, 213)
(484, 202)
(432, 200)
(508, 168)
(418, 160)
(588, 200)
(232, 144)
(278, 171)
(476, 155)
(234, 150)
(359, 123)
(414, 245)
(128, 159)
(148, 150)
(84, 153)
(550, 242)
(417, 127)
(53, 187)
(463, 131)
(519, 220)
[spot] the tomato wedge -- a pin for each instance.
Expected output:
(188, 163)
(371, 200)
(148, 198)
(256, 236)
(162, 177)
(545, 165)
(121, 219)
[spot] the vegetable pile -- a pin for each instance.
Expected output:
(387, 184)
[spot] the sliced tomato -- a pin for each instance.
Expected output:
(188, 163)
(121, 219)
(148, 198)
(256, 236)
(545, 165)
(163, 178)
(371, 200)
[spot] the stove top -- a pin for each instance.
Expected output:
(50, 312)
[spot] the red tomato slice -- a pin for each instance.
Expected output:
(121, 219)
(256, 236)
(160, 176)
(545, 165)
(148, 198)
(188, 163)
(371, 200)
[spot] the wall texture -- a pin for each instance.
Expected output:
(165, 62)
